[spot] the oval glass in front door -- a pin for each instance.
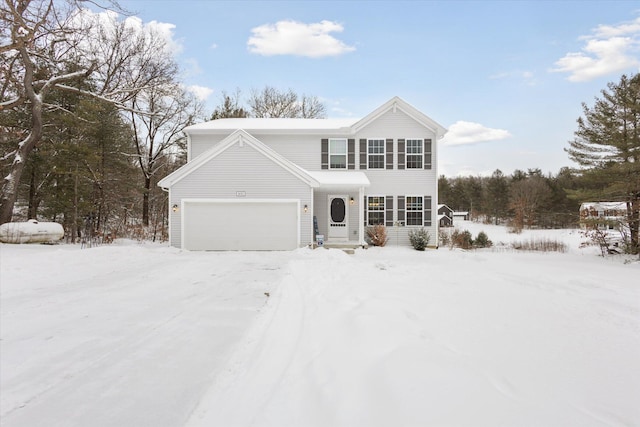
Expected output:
(338, 210)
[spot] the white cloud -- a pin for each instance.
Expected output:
(191, 68)
(165, 31)
(499, 76)
(465, 133)
(201, 92)
(629, 28)
(109, 20)
(526, 77)
(610, 49)
(296, 38)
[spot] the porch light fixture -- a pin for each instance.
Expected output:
(351, 201)
(306, 208)
(174, 207)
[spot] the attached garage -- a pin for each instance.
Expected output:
(232, 224)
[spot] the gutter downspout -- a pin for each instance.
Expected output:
(361, 217)
(434, 150)
(169, 210)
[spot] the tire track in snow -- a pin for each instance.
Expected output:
(257, 368)
(110, 364)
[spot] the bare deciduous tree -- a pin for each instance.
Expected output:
(311, 108)
(272, 103)
(158, 116)
(526, 198)
(47, 45)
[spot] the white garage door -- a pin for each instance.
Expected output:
(252, 225)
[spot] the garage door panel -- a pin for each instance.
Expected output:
(250, 225)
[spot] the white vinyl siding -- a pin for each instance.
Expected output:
(399, 182)
(241, 172)
(198, 144)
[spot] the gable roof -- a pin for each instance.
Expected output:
(397, 103)
(320, 126)
(238, 137)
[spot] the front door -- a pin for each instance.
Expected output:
(338, 218)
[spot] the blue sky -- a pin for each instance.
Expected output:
(506, 78)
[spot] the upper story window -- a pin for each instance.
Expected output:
(414, 150)
(375, 153)
(375, 210)
(414, 210)
(337, 153)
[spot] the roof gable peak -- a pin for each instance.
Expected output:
(394, 104)
(240, 137)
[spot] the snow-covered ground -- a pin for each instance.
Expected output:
(146, 335)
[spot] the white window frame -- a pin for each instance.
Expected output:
(383, 210)
(335, 153)
(383, 154)
(408, 155)
(413, 209)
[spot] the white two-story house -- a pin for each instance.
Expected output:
(273, 184)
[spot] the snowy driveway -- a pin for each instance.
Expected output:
(120, 335)
(149, 336)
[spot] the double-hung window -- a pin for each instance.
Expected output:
(375, 153)
(375, 210)
(337, 153)
(414, 150)
(414, 210)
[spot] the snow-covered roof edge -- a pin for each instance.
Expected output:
(344, 178)
(290, 125)
(275, 124)
(604, 205)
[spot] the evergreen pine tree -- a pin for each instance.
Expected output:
(607, 149)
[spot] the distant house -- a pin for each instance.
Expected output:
(461, 215)
(603, 215)
(275, 184)
(445, 216)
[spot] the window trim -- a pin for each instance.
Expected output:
(383, 155)
(383, 209)
(407, 210)
(408, 156)
(345, 154)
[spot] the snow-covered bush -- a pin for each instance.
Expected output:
(419, 238)
(444, 238)
(613, 237)
(482, 241)
(377, 235)
(461, 239)
(542, 245)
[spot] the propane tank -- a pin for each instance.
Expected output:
(31, 231)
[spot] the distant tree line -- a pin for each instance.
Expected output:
(522, 199)
(606, 149)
